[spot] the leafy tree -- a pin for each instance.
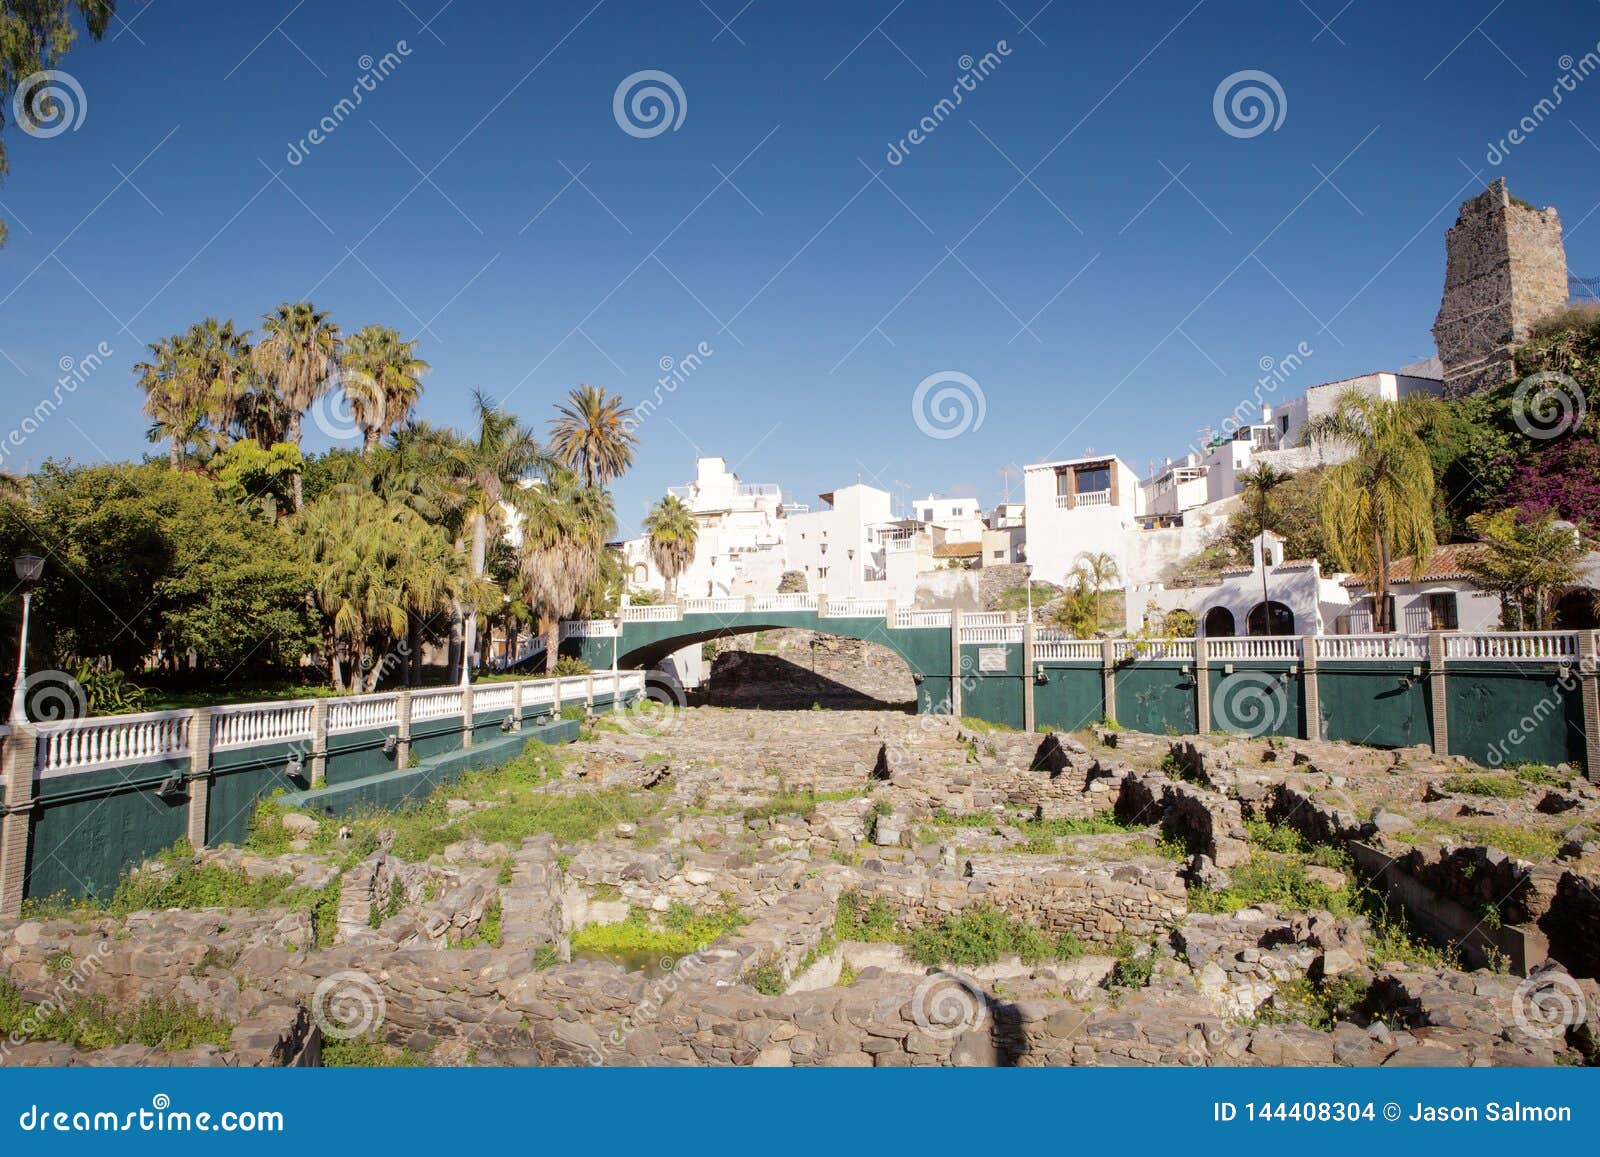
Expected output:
(1378, 504)
(143, 560)
(382, 378)
(792, 582)
(672, 533)
(263, 478)
(1525, 558)
(592, 433)
(298, 352)
(1292, 512)
(34, 36)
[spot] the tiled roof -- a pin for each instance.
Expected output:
(1447, 562)
(958, 550)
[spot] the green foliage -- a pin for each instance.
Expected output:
(857, 919)
(259, 478)
(984, 934)
(367, 1053)
(109, 691)
(1524, 557)
(682, 930)
(90, 1022)
(792, 582)
(488, 930)
(798, 803)
(767, 978)
(1136, 963)
(143, 556)
(570, 665)
(1270, 878)
(1500, 787)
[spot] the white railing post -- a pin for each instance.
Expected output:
(402, 732)
(1028, 642)
(1438, 699)
(1312, 688)
(516, 705)
(319, 742)
(891, 615)
(956, 674)
(466, 715)
(1202, 685)
(17, 761)
(1589, 688)
(1108, 677)
(199, 776)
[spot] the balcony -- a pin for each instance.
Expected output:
(1085, 498)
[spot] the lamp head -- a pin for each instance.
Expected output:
(30, 569)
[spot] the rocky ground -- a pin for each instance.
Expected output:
(837, 888)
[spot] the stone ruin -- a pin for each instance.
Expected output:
(788, 818)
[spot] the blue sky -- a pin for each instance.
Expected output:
(1080, 237)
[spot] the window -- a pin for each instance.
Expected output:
(1442, 612)
(1270, 618)
(1093, 479)
(1283, 424)
(999, 554)
(822, 572)
(927, 514)
(1063, 482)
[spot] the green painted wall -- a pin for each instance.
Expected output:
(87, 828)
(1073, 698)
(435, 737)
(1377, 703)
(356, 754)
(240, 778)
(1157, 696)
(1256, 699)
(1501, 716)
(992, 696)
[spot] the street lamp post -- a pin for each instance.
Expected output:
(29, 569)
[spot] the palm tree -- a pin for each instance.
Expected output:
(593, 434)
(482, 472)
(1257, 485)
(176, 413)
(1093, 572)
(672, 533)
(382, 378)
(564, 528)
(1378, 504)
(299, 352)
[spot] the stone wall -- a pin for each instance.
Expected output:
(1506, 268)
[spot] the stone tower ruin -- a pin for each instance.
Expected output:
(1506, 268)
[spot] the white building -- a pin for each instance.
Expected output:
(1078, 506)
(843, 549)
(1288, 419)
(961, 518)
(740, 544)
(1442, 597)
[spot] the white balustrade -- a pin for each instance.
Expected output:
(435, 704)
(574, 688)
(493, 697)
(1342, 648)
(362, 712)
(1546, 645)
(922, 618)
(784, 602)
(85, 744)
(983, 618)
(1002, 634)
(535, 692)
(857, 608)
(249, 724)
(1255, 647)
(1062, 648)
(654, 613)
(1152, 649)
(727, 605)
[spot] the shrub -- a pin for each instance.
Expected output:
(856, 919)
(1500, 787)
(984, 934)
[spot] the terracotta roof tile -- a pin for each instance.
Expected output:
(1448, 562)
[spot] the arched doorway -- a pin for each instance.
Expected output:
(1271, 618)
(1218, 624)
